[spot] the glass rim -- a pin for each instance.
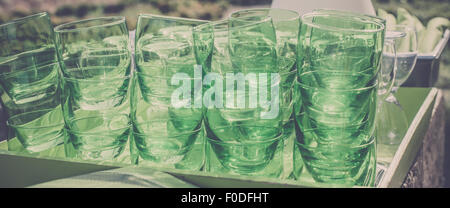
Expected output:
(359, 146)
(159, 120)
(396, 31)
(307, 20)
(9, 123)
(212, 24)
(138, 34)
(108, 117)
(112, 20)
(335, 90)
(148, 16)
(297, 15)
(23, 19)
(279, 136)
(95, 80)
(403, 26)
(7, 74)
(303, 114)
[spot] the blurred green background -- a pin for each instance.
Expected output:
(69, 10)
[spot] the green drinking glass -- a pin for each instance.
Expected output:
(346, 165)
(286, 24)
(243, 64)
(252, 44)
(97, 136)
(95, 95)
(166, 131)
(168, 92)
(164, 46)
(341, 42)
(163, 143)
(97, 48)
(245, 153)
(168, 76)
(96, 77)
(39, 130)
(232, 86)
(389, 58)
(96, 64)
(28, 65)
(399, 45)
(346, 115)
(211, 43)
(239, 45)
(86, 98)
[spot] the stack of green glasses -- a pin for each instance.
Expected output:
(29, 84)
(248, 90)
(96, 75)
(167, 119)
(339, 56)
(286, 25)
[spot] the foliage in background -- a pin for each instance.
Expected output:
(65, 10)
(425, 10)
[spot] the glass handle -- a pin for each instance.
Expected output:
(388, 69)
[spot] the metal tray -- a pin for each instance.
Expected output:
(22, 170)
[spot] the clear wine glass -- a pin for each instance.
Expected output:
(393, 123)
(406, 49)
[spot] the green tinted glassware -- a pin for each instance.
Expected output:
(339, 61)
(164, 48)
(331, 163)
(257, 153)
(96, 48)
(28, 65)
(98, 136)
(286, 24)
(164, 45)
(243, 64)
(341, 42)
(389, 57)
(162, 143)
(96, 76)
(95, 58)
(233, 82)
(166, 135)
(167, 93)
(253, 44)
(39, 130)
(341, 116)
